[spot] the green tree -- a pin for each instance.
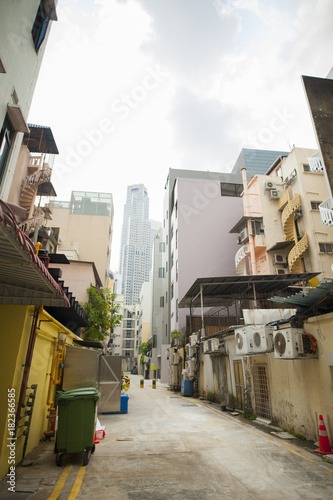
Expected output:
(102, 311)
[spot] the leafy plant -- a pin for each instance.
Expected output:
(143, 349)
(125, 382)
(102, 311)
(177, 335)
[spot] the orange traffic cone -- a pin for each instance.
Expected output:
(324, 443)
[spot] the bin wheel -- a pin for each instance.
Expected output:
(85, 459)
(60, 459)
(93, 448)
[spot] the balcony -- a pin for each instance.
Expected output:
(316, 164)
(326, 212)
(241, 254)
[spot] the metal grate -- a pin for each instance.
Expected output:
(261, 392)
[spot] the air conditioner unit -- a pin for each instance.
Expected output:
(281, 271)
(190, 367)
(243, 234)
(263, 339)
(175, 358)
(280, 259)
(288, 343)
(205, 346)
(194, 339)
(192, 351)
(269, 185)
(243, 339)
(274, 194)
(188, 350)
(215, 345)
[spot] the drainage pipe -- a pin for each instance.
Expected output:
(27, 364)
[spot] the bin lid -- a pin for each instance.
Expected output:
(82, 393)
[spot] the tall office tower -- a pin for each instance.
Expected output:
(136, 243)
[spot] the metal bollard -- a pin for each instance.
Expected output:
(141, 383)
(154, 383)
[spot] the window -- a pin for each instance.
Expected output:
(315, 205)
(6, 139)
(177, 310)
(176, 238)
(326, 247)
(167, 266)
(172, 260)
(166, 297)
(162, 246)
(40, 25)
(257, 227)
(161, 272)
(172, 291)
(162, 301)
(176, 270)
(128, 343)
(306, 167)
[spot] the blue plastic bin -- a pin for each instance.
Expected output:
(186, 388)
(123, 403)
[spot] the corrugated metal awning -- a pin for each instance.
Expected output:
(318, 299)
(24, 279)
(220, 288)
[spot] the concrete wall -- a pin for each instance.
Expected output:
(22, 65)
(16, 322)
(205, 246)
(91, 232)
(78, 276)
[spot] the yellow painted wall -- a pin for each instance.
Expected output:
(16, 322)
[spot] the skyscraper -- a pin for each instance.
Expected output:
(136, 243)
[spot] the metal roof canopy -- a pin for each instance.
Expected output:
(21, 280)
(40, 140)
(209, 292)
(318, 299)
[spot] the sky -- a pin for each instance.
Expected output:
(131, 88)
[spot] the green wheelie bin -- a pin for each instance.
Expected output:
(76, 423)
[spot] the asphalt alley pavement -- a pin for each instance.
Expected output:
(171, 447)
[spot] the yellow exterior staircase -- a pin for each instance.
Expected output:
(289, 227)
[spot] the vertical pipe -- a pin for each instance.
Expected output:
(202, 313)
(27, 364)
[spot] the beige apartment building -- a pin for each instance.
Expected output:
(85, 229)
(281, 230)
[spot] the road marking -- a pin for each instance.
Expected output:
(300, 455)
(60, 484)
(261, 435)
(77, 484)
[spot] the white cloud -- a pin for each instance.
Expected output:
(234, 67)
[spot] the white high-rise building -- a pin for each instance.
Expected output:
(136, 243)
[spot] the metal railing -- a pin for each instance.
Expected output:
(326, 212)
